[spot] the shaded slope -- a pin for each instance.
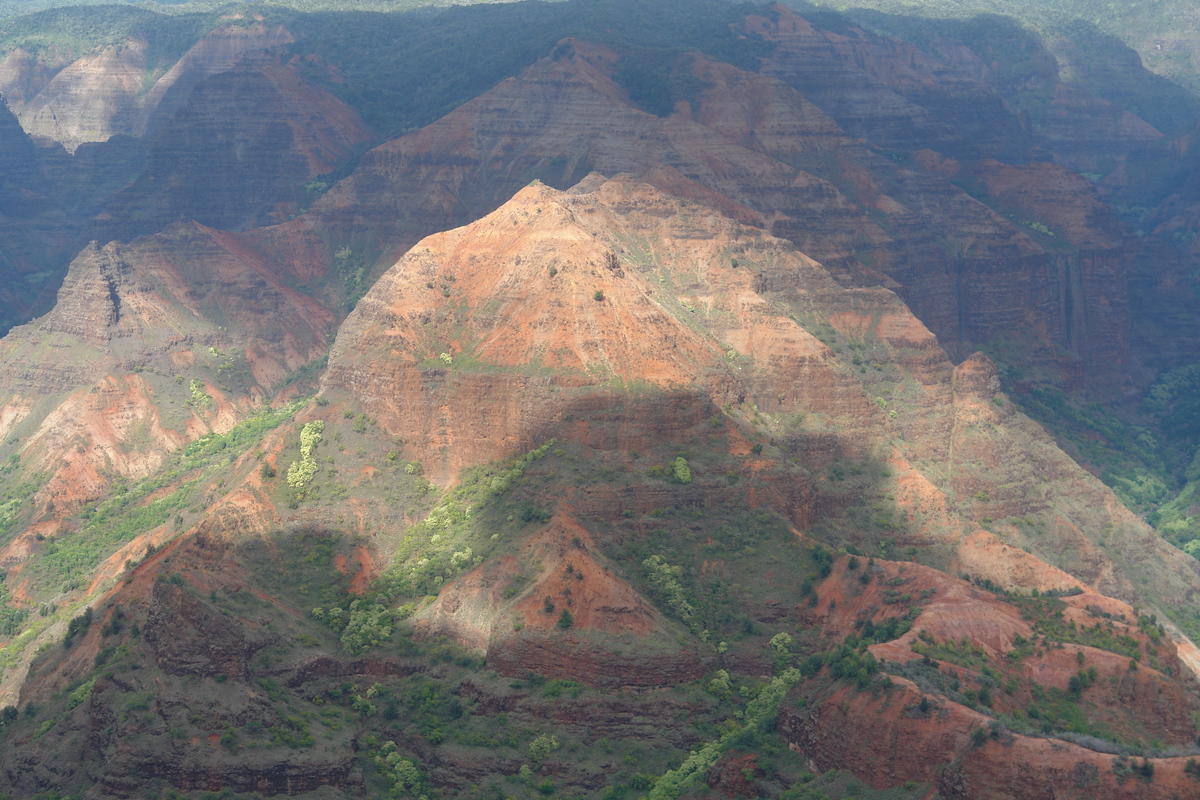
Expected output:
(968, 272)
(722, 411)
(480, 341)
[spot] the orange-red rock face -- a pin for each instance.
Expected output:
(771, 153)
(103, 389)
(919, 735)
(482, 342)
(623, 316)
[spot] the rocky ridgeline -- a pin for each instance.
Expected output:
(766, 142)
(101, 96)
(439, 350)
(614, 317)
(783, 279)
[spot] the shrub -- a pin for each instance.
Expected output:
(781, 641)
(402, 773)
(78, 626)
(367, 626)
(666, 579)
(542, 746)
(680, 471)
(81, 695)
(301, 472)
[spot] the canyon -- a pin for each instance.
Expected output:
(649, 423)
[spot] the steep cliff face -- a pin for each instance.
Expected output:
(970, 273)
(102, 95)
(142, 303)
(106, 110)
(88, 100)
(151, 345)
(680, 412)
(885, 90)
(796, 144)
(218, 51)
(483, 341)
(239, 151)
(33, 230)
(676, 430)
(23, 74)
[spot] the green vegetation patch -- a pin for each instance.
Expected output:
(80, 30)
(462, 529)
(962, 652)
(1046, 615)
(63, 563)
(758, 712)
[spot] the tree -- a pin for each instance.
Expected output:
(541, 747)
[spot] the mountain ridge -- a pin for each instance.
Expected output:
(646, 425)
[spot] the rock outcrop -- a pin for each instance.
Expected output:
(103, 95)
(968, 272)
(644, 411)
(239, 151)
(484, 341)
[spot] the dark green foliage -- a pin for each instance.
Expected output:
(1046, 615)
(961, 652)
(888, 629)
(1080, 681)
(11, 619)
(843, 785)
(1054, 710)
(431, 704)
(78, 626)
(560, 688)
(80, 30)
(822, 559)
(355, 274)
(531, 513)
(847, 662)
